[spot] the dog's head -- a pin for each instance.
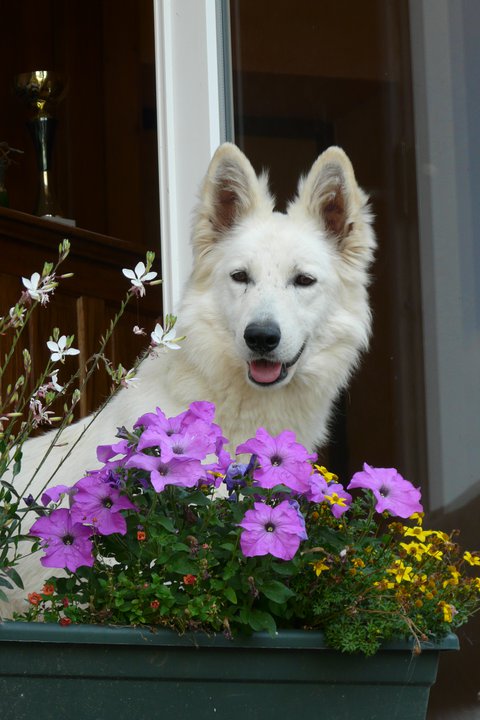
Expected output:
(275, 289)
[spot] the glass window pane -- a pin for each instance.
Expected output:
(395, 83)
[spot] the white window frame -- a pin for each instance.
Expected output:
(192, 120)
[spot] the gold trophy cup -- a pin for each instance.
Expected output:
(42, 90)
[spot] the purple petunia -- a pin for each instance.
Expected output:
(274, 531)
(98, 502)
(55, 493)
(194, 442)
(183, 473)
(67, 543)
(192, 434)
(107, 452)
(329, 492)
(392, 492)
(280, 460)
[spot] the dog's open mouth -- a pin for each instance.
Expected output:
(266, 372)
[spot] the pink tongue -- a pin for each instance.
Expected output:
(263, 371)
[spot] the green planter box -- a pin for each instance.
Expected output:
(50, 672)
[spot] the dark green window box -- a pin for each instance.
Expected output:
(51, 672)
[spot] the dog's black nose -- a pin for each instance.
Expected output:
(262, 337)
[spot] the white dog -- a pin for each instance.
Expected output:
(275, 316)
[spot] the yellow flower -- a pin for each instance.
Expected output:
(329, 477)
(358, 562)
(471, 559)
(420, 580)
(319, 566)
(438, 533)
(433, 552)
(415, 532)
(402, 572)
(384, 584)
(335, 499)
(476, 583)
(454, 579)
(418, 517)
(449, 611)
(415, 549)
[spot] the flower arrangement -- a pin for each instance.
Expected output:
(171, 531)
(32, 402)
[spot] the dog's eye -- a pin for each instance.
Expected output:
(240, 276)
(303, 280)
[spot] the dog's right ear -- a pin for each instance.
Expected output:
(230, 191)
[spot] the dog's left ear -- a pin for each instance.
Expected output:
(331, 195)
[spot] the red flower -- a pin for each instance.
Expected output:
(34, 598)
(65, 621)
(155, 604)
(189, 579)
(48, 589)
(65, 602)
(141, 535)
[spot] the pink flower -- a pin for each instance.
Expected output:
(67, 543)
(274, 531)
(392, 492)
(280, 460)
(98, 503)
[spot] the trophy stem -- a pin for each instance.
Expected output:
(42, 130)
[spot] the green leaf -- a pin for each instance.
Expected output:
(276, 591)
(259, 620)
(228, 546)
(199, 498)
(18, 463)
(183, 566)
(13, 575)
(3, 597)
(285, 568)
(166, 522)
(231, 595)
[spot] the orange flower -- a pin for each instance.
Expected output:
(34, 598)
(141, 535)
(189, 579)
(48, 589)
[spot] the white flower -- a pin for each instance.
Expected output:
(54, 381)
(129, 380)
(38, 288)
(138, 330)
(16, 315)
(59, 349)
(39, 414)
(138, 276)
(159, 337)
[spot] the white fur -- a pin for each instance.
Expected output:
(325, 234)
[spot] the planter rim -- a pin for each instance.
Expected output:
(11, 631)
